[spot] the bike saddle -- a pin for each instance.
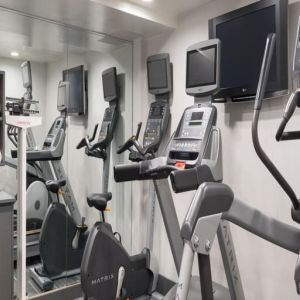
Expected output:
(99, 201)
(54, 185)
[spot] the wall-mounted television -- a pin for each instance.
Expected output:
(159, 74)
(77, 90)
(110, 84)
(243, 33)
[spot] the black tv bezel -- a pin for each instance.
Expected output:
(75, 69)
(112, 70)
(240, 94)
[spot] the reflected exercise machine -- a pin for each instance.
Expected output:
(63, 233)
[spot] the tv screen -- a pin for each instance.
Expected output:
(157, 74)
(243, 35)
(201, 68)
(75, 77)
(109, 82)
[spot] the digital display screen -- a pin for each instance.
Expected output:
(197, 116)
(201, 67)
(157, 74)
(109, 81)
(156, 111)
(75, 78)
(243, 42)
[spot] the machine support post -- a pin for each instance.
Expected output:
(21, 222)
(205, 276)
(169, 215)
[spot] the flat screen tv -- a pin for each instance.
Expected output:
(77, 90)
(110, 84)
(159, 74)
(243, 33)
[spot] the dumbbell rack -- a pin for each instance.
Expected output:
(22, 123)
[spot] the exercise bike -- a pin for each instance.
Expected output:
(63, 234)
(99, 274)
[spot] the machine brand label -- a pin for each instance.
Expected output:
(102, 279)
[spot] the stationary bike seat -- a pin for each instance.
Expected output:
(54, 185)
(99, 201)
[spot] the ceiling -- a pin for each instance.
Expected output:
(126, 19)
(173, 7)
(37, 40)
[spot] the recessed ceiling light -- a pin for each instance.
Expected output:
(147, 0)
(14, 53)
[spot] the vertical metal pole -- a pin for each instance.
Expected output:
(169, 215)
(205, 277)
(150, 216)
(105, 174)
(105, 177)
(185, 271)
(21, 223)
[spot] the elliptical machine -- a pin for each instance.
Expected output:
(214, 202)
(194, 157)
(102, 276)
(63, 234)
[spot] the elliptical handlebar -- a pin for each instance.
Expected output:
(265, 68)
(293, 102)
(264, 74)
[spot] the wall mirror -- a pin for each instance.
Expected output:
(64, 63)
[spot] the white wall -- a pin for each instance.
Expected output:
(85, 173)
(267, 271)
(14, 88)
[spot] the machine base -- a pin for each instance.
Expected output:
(46, 283)
(220, 292)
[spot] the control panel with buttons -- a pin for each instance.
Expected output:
(54, 133)
(157, 123)
(108, 124)
(192, 135)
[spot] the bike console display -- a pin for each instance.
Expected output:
(108, 125)
(157, 123)
(53, 146)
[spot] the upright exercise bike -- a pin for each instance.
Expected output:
(100, 149)
(99, 276)
(63, 233)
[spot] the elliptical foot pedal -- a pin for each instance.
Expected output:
(43, 282)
